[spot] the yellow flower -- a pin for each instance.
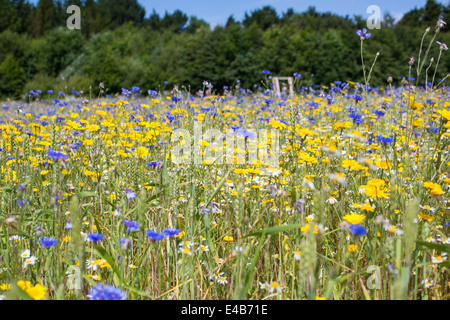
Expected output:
(378, 183)
(435, 188)
(354, 218)
(37, 292)
(95, 277)
(102, 262)
(122, 153)
(24, 284)
(180, 235)
(307, 158)
(92, 127)
(352, 248)
(228, 239)
(305, 228)
(367, 207)
(277, 124)
(204, 143)
(141, 152)
(436, 191)
(342, 125)
(5, 286)
(352, 164)
(425, 217)
(375, 189)
(320, 298)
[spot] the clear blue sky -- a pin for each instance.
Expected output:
(217, 11)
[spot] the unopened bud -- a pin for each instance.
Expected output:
(389, 79)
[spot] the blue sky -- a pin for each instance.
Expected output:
(217, 11)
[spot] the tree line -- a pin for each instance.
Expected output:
(121, 47)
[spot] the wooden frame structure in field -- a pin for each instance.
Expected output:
(276, 85)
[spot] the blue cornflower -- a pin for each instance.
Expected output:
(356, 98)
(171, 232)
(247, 134)
(363, 34)
(107, 292)
(432, 129)
(204, 210)
(379, 113)
(131, 225)
(68, 225)
(47, 242)
(357, 230)
(266, 72)
(152, 92)
(385, 140)
(153, 163)
(95, 237)
(297, 75)
(130, 194)
(154, 236)
(56, 155)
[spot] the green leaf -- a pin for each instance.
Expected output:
(273, 230)
(105, 255)
(142, 293)
(219, 186)
(6, 189)
(251, 271)
(17, 291)
(439, 247)
(85, 194)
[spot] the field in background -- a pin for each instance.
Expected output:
(361, 181)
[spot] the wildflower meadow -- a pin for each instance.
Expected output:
(330, 192)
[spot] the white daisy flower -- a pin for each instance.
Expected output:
(29, 261)
(25, 253)
(222, 280)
